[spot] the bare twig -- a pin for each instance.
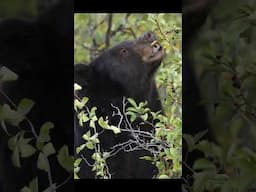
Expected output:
(131, 31)
(98, 24)
(127, 17)
(108, 33)
(85, 160)
(64, 182)
(189, 168)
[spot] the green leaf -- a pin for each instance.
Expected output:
(105, 155)
(76, 169)
(163, 177)
(144, 117)
(148, 158)
(25, 189)
(12, 142)
(105, 125)
(49, 189)
(22, 140)
(87, 135)
(199, 135)
(65, 160)
(80, 148)
(142, 105)
(133, 117)
(44, 135)
(33, 185)
(92, 124)
(132, 102)
(10, 116)
(200, 180)
(48, 149)
(25, 106)
(102, 123)
(76, 176)
(94, 139)
(77, 162)
(221, 178)
(83, 117)
(7, 75)
(77, 87)
(4, 128)
(210, 149)
(92, 112)
(42, 163)
(131, 109)
(115, 129)
(77, 104)
(190, 141)
(203, 164)
(89, 145)
(80, 104)
(16, 157)
(235, 127)
(96, 157)
(84, 100)
(27, 150)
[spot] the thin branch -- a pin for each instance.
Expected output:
(98, 24)
(118, 29)
(108, 33)
(8, 99)
(107, 170)
(131, 31)
(64, 182)
(189, 168)
(90, 165)
(127, 17)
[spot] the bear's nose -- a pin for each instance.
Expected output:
(156, 46)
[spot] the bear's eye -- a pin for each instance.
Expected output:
(123, 52)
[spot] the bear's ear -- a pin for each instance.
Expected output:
(123, 52)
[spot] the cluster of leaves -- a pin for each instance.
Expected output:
(24, 142)
(169, 76)
(221, 169)
(166, 139)
(165, 142)
(92, 142)
(226, 69)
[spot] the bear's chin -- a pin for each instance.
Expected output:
(154, 58)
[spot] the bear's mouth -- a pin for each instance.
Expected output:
(154, 53)
(157, 52)
(149, 48)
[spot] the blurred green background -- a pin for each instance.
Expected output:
(23, 9)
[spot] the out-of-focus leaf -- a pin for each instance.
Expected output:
(65, 160)
(7, 75)
(25, 106)
(42, 163)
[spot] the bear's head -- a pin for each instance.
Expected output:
(131, 63)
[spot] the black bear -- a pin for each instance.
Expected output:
(126, 70)
(40, 52)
